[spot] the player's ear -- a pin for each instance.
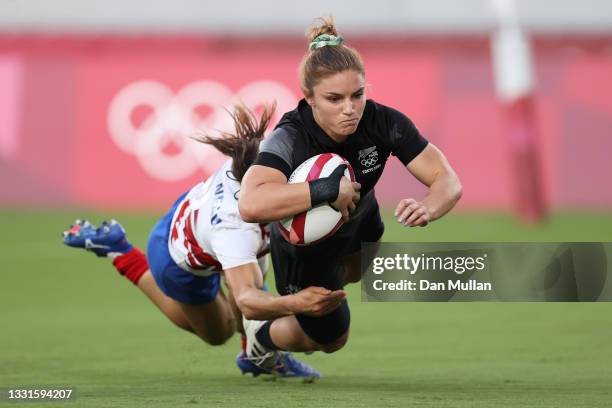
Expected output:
(308, 95)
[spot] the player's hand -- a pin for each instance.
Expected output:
(316, 301)
(348, 197)
(412, 213)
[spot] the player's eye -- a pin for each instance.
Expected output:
(333, 98)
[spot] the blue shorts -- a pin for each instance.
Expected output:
(170, 278)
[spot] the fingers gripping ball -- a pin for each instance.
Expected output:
(321, 221)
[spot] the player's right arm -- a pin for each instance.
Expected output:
(266, 196)
(245, 282)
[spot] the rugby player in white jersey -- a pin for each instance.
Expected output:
(200, 239)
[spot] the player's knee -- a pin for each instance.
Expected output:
(335, 345)
(329, 332)
(218, 335)
(217, 339)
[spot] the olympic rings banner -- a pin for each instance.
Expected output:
(173, 117)
(107, 122)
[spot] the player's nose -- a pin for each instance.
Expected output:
(348, 108)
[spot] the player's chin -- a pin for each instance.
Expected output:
(347, 130)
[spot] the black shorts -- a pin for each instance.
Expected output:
(297, 267)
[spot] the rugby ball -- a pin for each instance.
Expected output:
(322, 221)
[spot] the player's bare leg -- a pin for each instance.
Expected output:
(287, 334)
(213, 322)
(168, 306)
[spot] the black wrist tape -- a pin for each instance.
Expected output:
(323, 190)
(326, 189)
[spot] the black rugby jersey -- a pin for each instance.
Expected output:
(382, 131)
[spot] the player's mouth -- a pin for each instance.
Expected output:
(350, 122)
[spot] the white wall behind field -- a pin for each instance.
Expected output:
(291, 17)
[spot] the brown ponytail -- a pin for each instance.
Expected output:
(325, 61)
(243, 145)
(322, 25)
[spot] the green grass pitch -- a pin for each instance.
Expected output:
(68, 319)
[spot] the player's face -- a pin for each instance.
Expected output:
(337, 103)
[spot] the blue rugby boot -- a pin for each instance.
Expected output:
(285, 366)
(289, 366)
(108, 240)
(245, 365)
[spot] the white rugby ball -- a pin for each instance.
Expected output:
(322, 221)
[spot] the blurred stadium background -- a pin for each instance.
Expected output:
(97, 101)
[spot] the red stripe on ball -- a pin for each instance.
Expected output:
(317, 167)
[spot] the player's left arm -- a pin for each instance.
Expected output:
(245, 282)
(431, 168)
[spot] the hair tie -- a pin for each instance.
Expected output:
(325, 39)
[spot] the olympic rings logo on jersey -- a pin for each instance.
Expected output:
(170, 118)
(369, 157)
(370, 161)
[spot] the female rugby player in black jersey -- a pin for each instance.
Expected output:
(335, 117)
